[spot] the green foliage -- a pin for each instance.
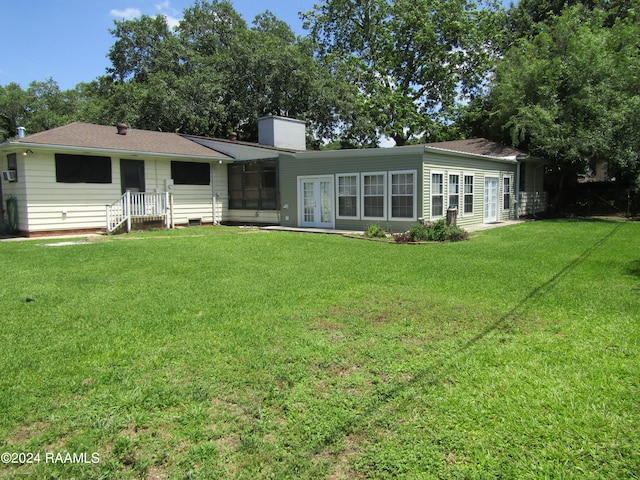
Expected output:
(567, 92)
(409, 60)
(375, 231)
(40, 107)
(437, 231)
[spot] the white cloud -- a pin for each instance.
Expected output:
(127, 13)
(169, 13)
(166, 7)
(171, 21)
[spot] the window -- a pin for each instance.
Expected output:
(403, 199)
(506, 193)
(190, 173)
(82, 168)
(12, 164)
(454, 191)
(468, 194)
(348, 195)
(437, 194)
(373, 185)
(253, 186)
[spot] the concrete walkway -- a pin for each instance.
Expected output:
(470, 229)
(274, 228)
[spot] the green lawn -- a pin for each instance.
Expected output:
(231, 353)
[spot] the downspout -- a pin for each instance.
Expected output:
(519, 159)
(213, 193)
(516, 203)
(2, 226)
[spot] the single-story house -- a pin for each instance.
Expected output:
(483, 181)
(84, 177)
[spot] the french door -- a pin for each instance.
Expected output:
(315, 197)
(490, 199)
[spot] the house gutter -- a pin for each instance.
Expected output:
(128, 153)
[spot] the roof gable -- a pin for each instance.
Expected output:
(100, 137)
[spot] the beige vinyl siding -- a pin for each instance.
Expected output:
(16, 190)
(45, 204)
(190, 202)
(221, 192)
(64, 206)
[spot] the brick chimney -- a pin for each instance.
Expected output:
(122, 128)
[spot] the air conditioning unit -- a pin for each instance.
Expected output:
(10, 176)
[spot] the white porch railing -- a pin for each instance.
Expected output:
(138, 206)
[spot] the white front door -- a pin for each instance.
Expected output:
(490, 200)
(315, 197)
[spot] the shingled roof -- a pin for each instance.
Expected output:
(90, 136)
(478, 146)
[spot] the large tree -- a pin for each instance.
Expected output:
(40, 107)
(410, 61)
(214, 74)
(570, 94)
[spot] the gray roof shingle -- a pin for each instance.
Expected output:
(102, 137)
(478, 146)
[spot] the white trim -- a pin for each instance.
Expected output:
(449, 175)
(337, 192)
(442, 194)
(510, 178)
(318, 223)
(485, 219)
(384, 194)
(473, 195)
(414, 194)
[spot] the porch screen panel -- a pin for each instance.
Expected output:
(253, 185)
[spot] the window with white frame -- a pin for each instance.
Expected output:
(348, 196)
(454, 191)
(437, 195)
(373, 187)
(506, 193)
(468, 194)
(402, 194)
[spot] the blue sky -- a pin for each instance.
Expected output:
(68, 40)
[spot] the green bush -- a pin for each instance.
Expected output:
(437, 231)
(375, 231)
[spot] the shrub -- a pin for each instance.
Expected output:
(374, 231)
(437, 231)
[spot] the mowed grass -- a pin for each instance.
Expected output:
(231, 353)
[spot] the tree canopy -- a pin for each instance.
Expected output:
(559, 78)
(569, 93)
(410, 61)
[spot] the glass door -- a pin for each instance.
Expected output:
(316, 202)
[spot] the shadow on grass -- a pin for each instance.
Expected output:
(437, 371)
(634, 269)
(540, 288)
